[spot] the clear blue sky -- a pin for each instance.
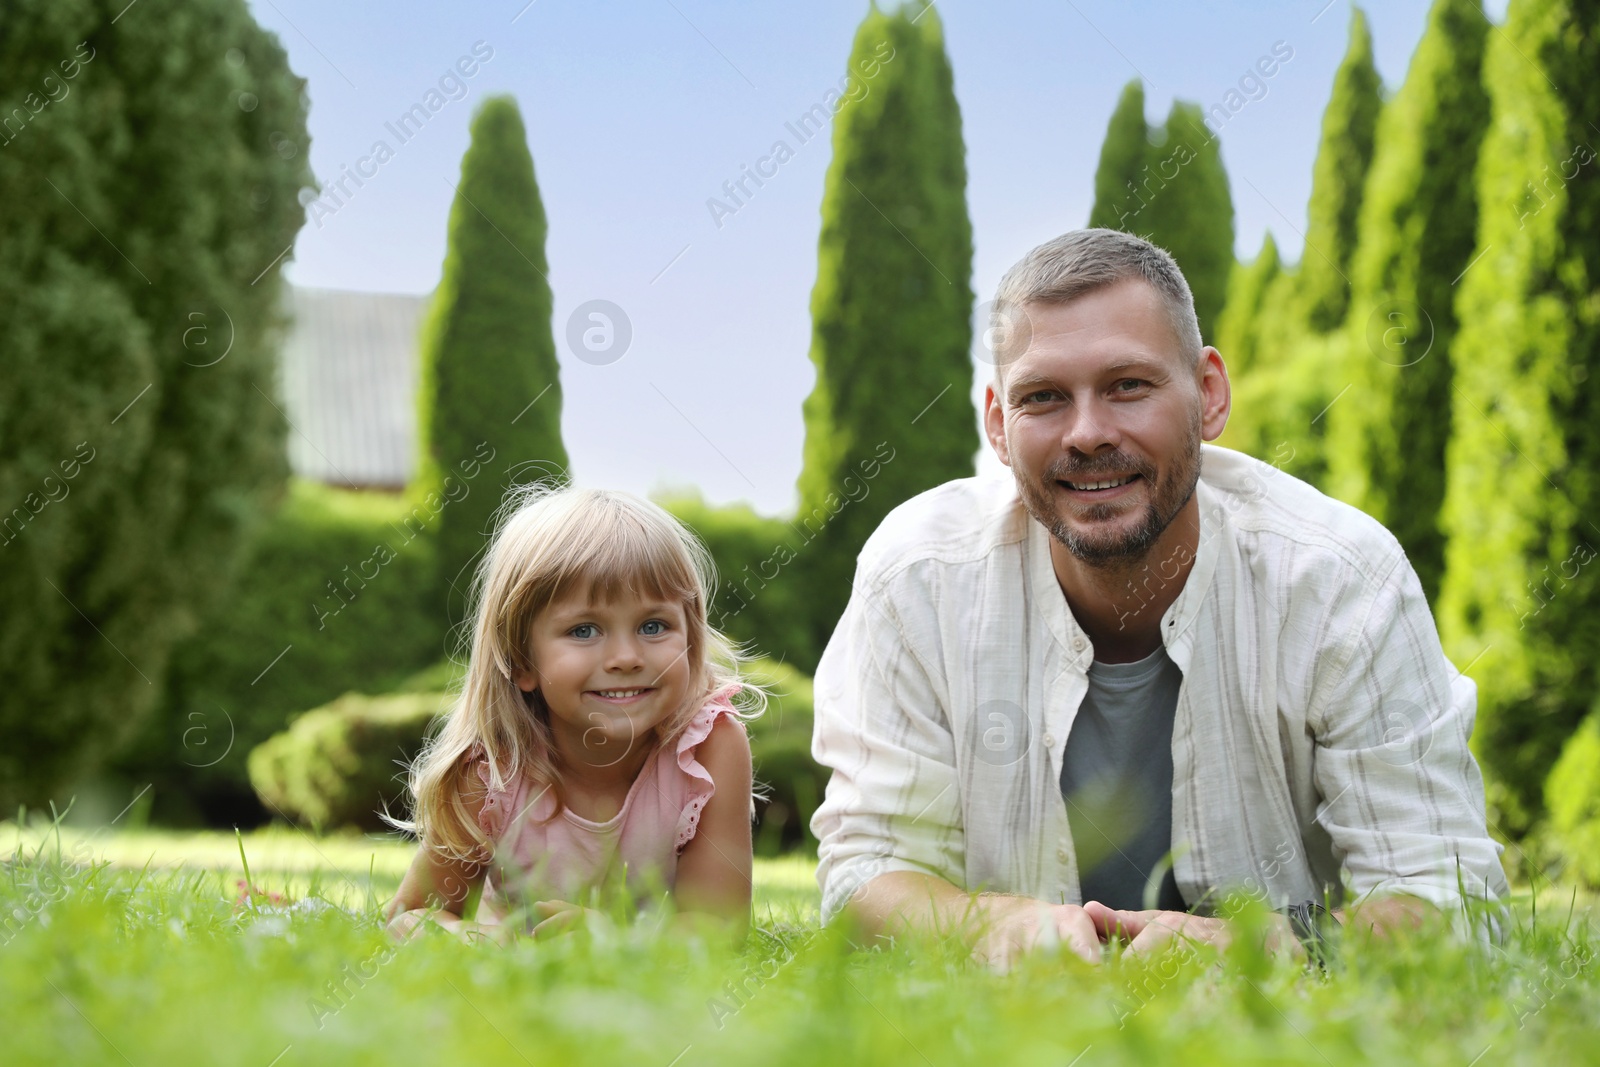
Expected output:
(639, 110)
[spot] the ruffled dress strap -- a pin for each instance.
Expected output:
(496, 808)
(701, 787)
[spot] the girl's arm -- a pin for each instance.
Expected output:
(715, 866)
(433, 881)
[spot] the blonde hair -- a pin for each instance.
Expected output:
(553, 541)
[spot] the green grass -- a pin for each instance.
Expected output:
(133, 948)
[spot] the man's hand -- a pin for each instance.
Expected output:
(1151, 931)
(1008, 927)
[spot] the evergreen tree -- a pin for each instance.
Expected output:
(1123, 155)
(1167, 185)
(891, 310)
(149, 168)
(1191, 215)
(490, 402)
(1521, 595)
(1349, 127)
(1417, 228)
(1238, 333)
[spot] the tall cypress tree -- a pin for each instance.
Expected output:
(149, 168)
(1417, 229)
(1191, 214)
(1238, 330)
(1521, 594)
(1123, 155)
(490, 401)
(1349, 128)
(1167, 184)
(891, 310)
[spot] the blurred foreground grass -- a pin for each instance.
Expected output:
(133, 948)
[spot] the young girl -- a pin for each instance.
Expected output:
(594, 746)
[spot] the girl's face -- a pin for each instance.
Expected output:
(610, 673)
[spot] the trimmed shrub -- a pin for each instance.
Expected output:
(760, 595)
(149, 168)
(780, 740)
(892, 307)
(333, 597)
(343, 763)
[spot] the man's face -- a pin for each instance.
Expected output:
(1102, 419)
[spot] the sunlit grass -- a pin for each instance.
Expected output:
(141, 952)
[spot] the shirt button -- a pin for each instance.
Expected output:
(1077, 644)
(1061, 854)
(1049, 740)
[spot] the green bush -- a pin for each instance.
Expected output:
(338, 585)
(1572, 797)
(780, 741)
(149, 171)
(760, 595)
(344, 763)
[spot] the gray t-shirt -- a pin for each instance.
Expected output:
(1116, 775)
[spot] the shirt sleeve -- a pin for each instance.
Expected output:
(893, 800)
(1402, 796)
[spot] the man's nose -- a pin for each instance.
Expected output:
(1091, 427)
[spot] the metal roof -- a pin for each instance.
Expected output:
(349, 380)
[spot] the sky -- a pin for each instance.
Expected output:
(639, 110)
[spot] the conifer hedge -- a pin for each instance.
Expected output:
(150, 165)
(1521, 594)
(1417, 229)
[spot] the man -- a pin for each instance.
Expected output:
(1142, 672)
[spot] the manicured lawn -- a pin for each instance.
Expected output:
(141, 954)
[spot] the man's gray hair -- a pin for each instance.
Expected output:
(1081, 262)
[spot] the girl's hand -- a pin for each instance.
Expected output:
(502, 934)
(559, 916)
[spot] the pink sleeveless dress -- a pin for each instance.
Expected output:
(542, 855)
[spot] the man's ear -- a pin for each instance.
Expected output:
(994, 423)
(1216, 394)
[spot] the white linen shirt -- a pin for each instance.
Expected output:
(1319, 725)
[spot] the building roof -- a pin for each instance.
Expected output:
(349, 374)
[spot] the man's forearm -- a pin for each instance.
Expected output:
(909, 902)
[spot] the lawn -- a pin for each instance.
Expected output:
(136, 948)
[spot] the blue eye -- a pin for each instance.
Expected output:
(655, 633)
(581, 626)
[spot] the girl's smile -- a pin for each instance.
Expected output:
(609, 673)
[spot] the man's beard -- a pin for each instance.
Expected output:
(1115, 548)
